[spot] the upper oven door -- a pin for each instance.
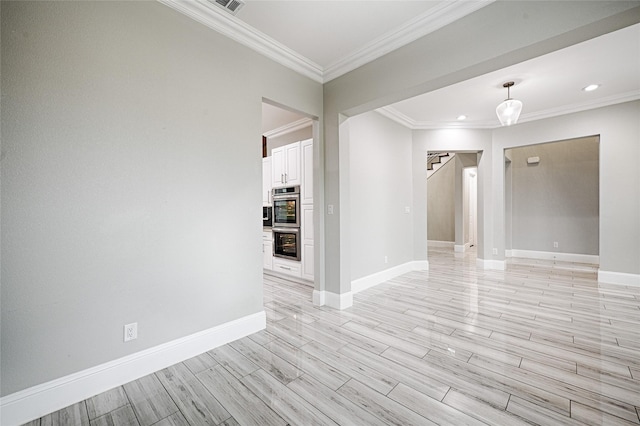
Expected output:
(286, 211)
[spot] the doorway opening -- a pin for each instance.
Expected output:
(552, 201)
(288, 139)
(452, 202)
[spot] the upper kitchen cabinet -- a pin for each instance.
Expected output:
(306, 190)
(285, 166)
(266, 181)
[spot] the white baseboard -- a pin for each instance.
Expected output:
(318, 298)
(434, 243)
(550, 255)
(345, 300)
(333, 300)
(37, 401)
(632, 280)
(339, 301)
(379, 277)
(490, 264)
(459, 248)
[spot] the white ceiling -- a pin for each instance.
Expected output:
(327, 31)
(277, 120)
(325, 39)
(549, 85)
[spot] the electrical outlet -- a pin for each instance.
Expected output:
(330, 209)
(131, 331)
(555, 244)
(495, 251)
(407, 209)
(386, 259)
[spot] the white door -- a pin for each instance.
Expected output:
(472, 178)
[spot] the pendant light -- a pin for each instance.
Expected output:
(509, 110)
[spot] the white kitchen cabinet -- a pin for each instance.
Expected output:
(287, 267)
(306, 187)
(307, 241)
(266, 181)
(285, 166)
(267, 250)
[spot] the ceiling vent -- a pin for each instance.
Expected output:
(231, 6)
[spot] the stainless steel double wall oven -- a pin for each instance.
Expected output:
(286, 222)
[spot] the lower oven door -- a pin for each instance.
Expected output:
(286, 243)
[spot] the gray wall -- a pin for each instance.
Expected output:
(556, 200)
(619, 175)
(129, 131)
(380, 176)
(441, 203)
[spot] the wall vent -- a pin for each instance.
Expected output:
(231, 6)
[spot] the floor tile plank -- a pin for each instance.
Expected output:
(150, 400)
(192, 398)
(242, 404)
(74, 415)
(384, 408)
(123, 416)
(105, 402)
(320, 370)
(288, 404)
(267, 360)
(430, 408)
(200, 363)
(340, 409)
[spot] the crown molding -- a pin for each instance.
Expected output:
(232, 27)
(582, 106)
(433, 19)
(406, 121)
(288, 128)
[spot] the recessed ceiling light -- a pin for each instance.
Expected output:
(462, 117)
(591, 87)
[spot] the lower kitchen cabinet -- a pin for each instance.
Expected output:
(288, 267)
(267, 250)
(307, 241)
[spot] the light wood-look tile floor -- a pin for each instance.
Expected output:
(541, 343)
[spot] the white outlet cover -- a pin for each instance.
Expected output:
(130, 331)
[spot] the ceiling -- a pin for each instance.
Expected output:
(276, 120)
(325, 39)
(548, 86)
(326, 32)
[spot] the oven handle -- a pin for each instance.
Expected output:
(286, 197)
(286, 230)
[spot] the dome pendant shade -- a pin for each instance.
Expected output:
(509, 110)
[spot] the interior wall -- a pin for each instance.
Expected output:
(556, 200)
(441, 203)
(380, 190)
(619, 176)
(122, 152)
